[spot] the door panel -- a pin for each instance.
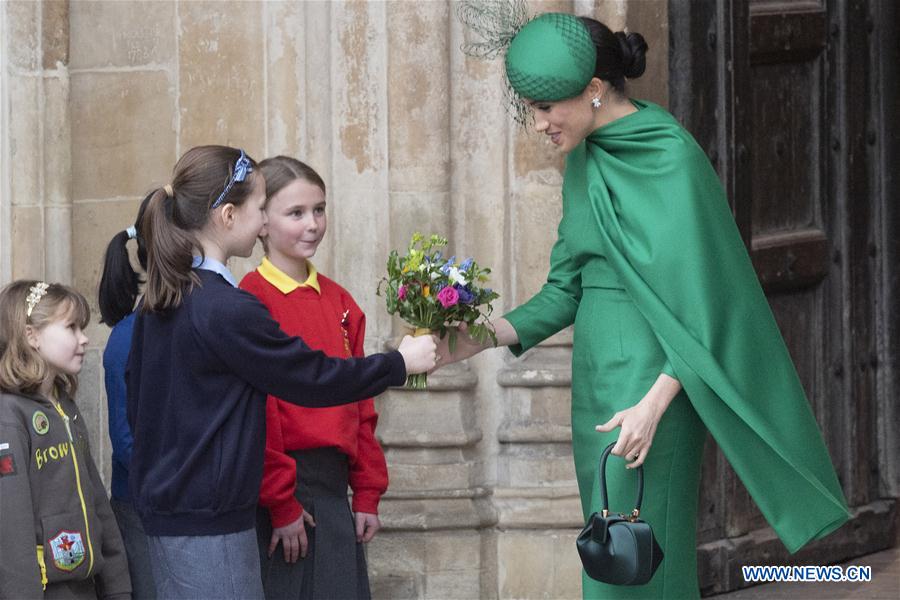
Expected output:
(777, 96)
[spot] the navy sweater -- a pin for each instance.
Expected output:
(115, 360)
(198, 377)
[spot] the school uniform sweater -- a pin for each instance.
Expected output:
(197, 380)
(328, 319)
(115, 359)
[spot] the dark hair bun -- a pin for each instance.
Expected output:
(634, 54)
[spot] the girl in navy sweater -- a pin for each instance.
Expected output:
(204, 355)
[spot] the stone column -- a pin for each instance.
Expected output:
(300, 108)
(536, 495)
(437, 506)
(123, 95)
(221, 82)
(359, 195)
(479, 155)
(35, 201)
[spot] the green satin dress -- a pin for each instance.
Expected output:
(651, 269)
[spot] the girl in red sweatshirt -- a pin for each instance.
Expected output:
(312, 455)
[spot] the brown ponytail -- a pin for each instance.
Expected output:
(171, 221)
(170, 251)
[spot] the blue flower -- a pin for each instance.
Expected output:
(466, 264)
(450, 262)
(465, 295)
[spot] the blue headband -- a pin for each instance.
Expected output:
(242, 168)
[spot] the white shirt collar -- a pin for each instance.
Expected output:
(211, 264)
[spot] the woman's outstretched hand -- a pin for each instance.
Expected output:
(466, 347)
(418, 353)
(639, 422)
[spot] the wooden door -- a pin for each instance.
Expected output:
(779, 95)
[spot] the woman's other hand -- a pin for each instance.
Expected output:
(639, 422)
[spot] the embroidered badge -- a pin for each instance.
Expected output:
(7, 462)
(68, 550)
(345, 327)
(40, 422)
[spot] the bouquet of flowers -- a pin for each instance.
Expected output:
(433, 294)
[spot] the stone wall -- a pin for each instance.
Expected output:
(100, 98)
(35, 203)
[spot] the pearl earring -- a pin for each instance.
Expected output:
(596, 102)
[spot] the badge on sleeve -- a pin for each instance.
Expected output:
(40, 422)
(68, 550)
(7, 461)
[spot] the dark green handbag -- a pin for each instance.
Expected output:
(618, 549)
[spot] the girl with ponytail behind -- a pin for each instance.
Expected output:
(119, 290)
(204, 354)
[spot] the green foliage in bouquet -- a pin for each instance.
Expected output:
(435, 293)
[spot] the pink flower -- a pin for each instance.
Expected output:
(448, 297)
(401, 293)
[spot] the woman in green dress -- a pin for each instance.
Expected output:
(673, 335)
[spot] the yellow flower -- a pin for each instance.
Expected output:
(414, 260)
(426, 291)
(404, 269)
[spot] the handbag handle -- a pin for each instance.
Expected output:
(604, 497)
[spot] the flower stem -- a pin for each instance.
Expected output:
(419, 381)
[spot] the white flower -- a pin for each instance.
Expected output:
(456, 277)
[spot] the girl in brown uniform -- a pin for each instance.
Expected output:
(58, 535)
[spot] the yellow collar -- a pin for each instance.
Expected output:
(284, 282)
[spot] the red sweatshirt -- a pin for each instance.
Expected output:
(326, 317)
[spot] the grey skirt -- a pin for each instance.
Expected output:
(335, 564)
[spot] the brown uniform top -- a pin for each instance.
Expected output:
(52, 501)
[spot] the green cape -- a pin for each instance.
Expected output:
(667, 230)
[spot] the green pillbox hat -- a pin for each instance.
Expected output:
(551, 58)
